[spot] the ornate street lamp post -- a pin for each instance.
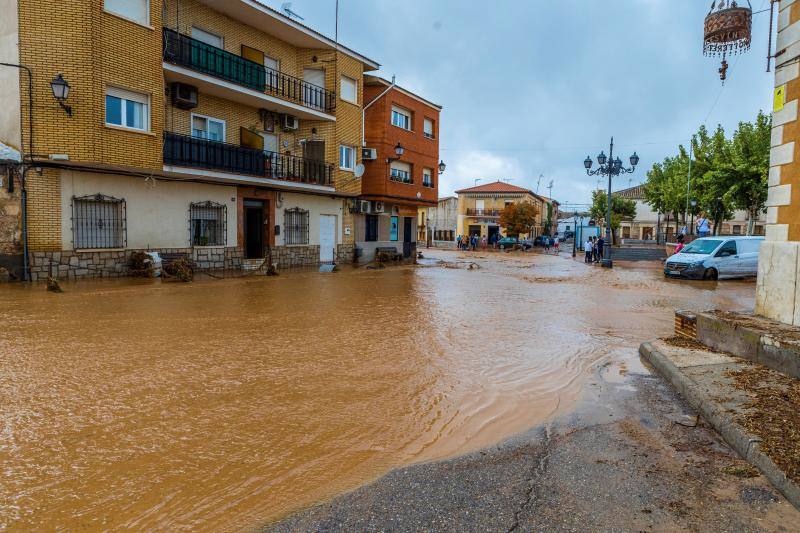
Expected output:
(575, 235)
(609, 167)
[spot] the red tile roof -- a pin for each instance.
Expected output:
(497, 186)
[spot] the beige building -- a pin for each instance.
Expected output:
(222, 131)
(479, 209)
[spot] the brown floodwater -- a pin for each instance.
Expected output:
(224, 405)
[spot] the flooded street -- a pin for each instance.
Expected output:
(229, 404)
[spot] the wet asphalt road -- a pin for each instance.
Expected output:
(631, 457)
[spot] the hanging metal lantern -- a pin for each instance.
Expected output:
(728, 31)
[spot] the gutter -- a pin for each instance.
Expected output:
(364, 109)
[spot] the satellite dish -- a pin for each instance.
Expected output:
(359, 170)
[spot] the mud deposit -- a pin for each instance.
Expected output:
(228, 404)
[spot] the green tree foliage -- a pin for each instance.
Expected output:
(621, 209)
(727, 174)
(518, 218)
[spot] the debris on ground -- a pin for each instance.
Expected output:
(764, 326)
(272, 270)
(773, 414)
(683, 342)
(53, 285)
(140, 265)
(180, 268)
(743, 470)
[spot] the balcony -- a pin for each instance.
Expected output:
(483, 212)
(272, 86)
(191, 152)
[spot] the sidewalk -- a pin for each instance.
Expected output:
(755, 409)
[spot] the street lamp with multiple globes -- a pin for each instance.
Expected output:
(609, 167)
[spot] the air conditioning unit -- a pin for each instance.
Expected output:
(378, 208)
(290, 122)
(184, 96)
(369, 154)
(364, 206)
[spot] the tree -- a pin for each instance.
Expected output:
(518, 218)
(726, 174)
(621, 208)
(749, 166)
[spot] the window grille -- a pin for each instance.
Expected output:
(208, 224)
(296, 226)
(372, 228)
(98, 221)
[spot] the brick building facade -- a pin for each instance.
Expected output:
(210, 129)
(395, 187)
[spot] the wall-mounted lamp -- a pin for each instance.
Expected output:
(60, 88)
(442, 166)
(399, 151)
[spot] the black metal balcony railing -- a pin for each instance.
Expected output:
(192, 152)
(190, 53)
(483, 212)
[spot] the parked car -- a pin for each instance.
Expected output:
(539, 241)
(716, 258)
(510, 242)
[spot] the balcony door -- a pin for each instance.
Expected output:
(314, 87)
(314, 160)
(273, 159)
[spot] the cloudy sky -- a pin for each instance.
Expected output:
(532, 87)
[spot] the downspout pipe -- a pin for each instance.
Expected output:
(24, 191)
(364, 110)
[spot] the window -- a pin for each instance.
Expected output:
(394, 228)
(737, 230)
(728, 249)
(295, 223)
(273, 68)
(209, 128)
(427, 177)
(372, 228)
(135, 10)
(347, 158)
(401, 118)
(401, 172)
(427, 128)
(207, 222)
(98, 222)
(127, 109)
(349, 91)
(207, 37)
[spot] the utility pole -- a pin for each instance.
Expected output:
(689, 181)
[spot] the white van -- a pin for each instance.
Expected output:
(716, 258)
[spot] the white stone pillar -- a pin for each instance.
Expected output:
(778, 291)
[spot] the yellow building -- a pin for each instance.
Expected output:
(224, 131)
(479, 209)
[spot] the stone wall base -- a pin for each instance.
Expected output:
(778, 289)
(69, 264)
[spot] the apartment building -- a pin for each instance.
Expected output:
(220, 130)
(402, 168)
(479, 209)
(443, 221)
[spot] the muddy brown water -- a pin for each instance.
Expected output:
(224, 405)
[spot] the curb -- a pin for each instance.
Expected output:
(745, 444)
